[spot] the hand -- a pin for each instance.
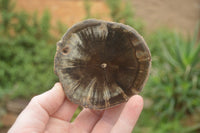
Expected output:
(51, 112)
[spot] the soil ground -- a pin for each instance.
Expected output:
(180, 15)
(67, 11)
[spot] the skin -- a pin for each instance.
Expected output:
(51, 112)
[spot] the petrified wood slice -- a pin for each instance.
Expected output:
(101, 64)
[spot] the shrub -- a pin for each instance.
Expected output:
(122, 12)
(87, 7)
(26, 53)
(174, 82)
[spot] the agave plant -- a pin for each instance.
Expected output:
(176, 82)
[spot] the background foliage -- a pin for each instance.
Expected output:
(123, 12)
(27, 48)
(175, 78)
(26, 51)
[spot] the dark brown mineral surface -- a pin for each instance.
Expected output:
(101, 64)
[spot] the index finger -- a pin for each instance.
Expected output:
(129, 115)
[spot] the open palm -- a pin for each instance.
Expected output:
(51, 112)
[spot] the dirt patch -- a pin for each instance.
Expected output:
(8, 119)
(180, 15)
(66, 11)
(13, 108)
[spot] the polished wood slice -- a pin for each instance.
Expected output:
(101, 64)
